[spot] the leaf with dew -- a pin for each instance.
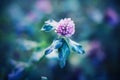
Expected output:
(64, 52)
(76, 47)
(55, 45)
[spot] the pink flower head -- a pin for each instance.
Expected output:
(66, 27)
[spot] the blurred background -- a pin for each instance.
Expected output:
(97, 25)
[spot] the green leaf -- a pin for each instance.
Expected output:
(49, 25)
(64, 52)
(55, 45)
(47, 28)
(76, 47)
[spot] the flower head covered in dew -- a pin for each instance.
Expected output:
(65, 28)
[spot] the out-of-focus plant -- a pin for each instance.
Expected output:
(65, 28)
(111, 17)
(63, 45)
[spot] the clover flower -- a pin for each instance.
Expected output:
(65, 28)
